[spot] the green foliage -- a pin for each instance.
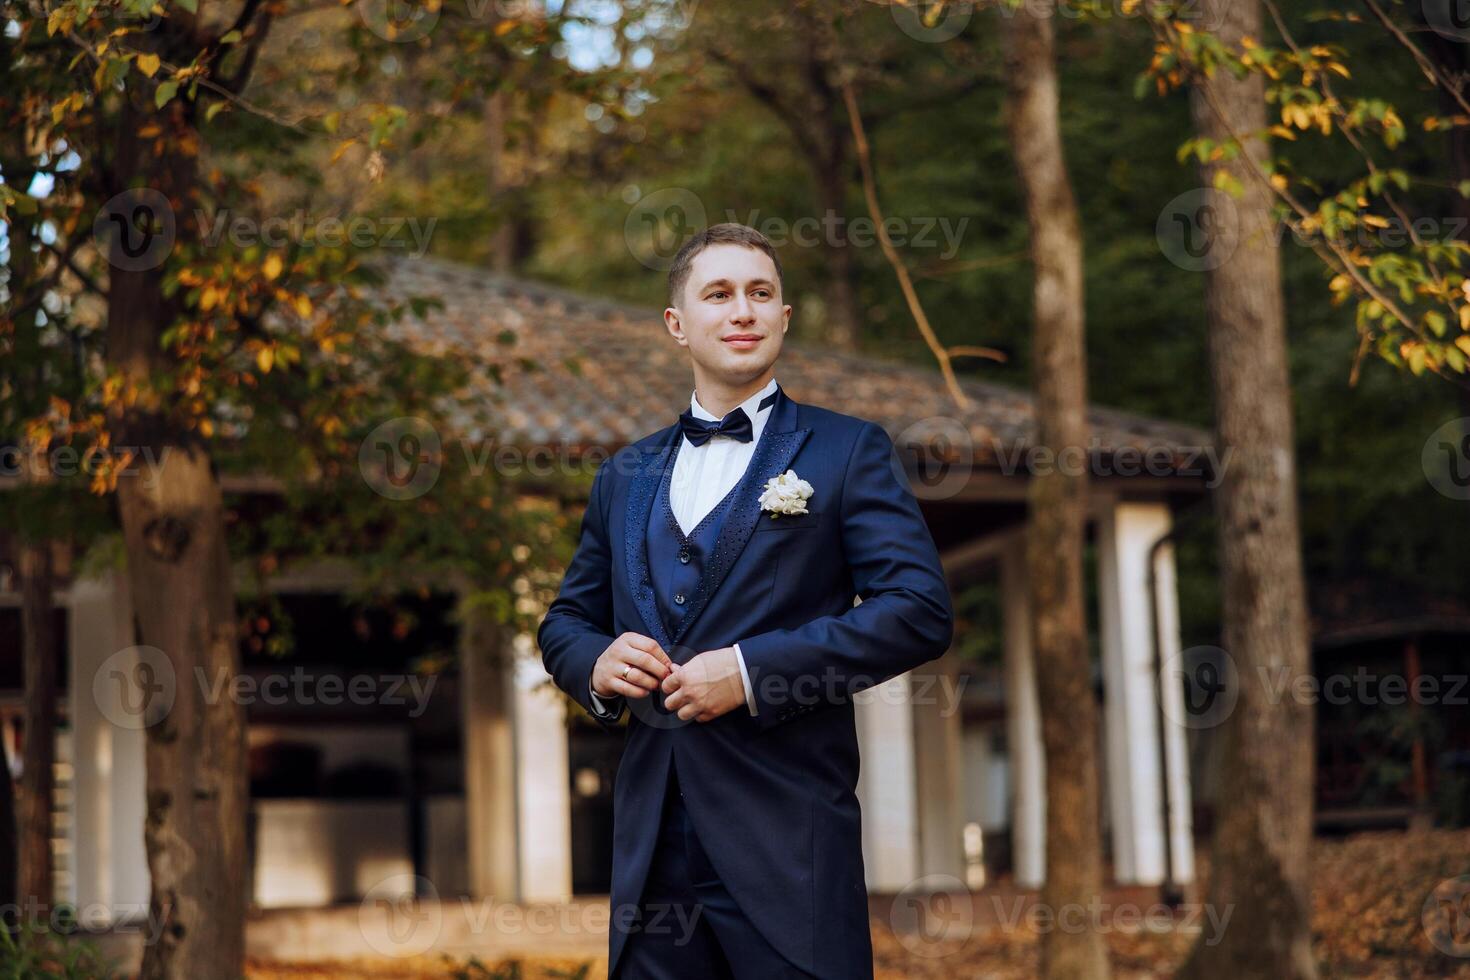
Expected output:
(33, 953)
(277, 355)
(1384, 228)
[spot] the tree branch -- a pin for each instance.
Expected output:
(870, 192)
(1426, 65)
(68, 260)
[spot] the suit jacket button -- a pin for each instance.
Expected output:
(684, 555)
(679, 598)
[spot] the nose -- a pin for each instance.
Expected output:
(743, 313)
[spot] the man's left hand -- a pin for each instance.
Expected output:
(705, 687)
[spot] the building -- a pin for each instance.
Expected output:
(483, 785)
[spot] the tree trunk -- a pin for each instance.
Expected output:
(1263, 831)
(39, 641)
(9, 844)
(39, 651)
(503, 238)
(183, 602)
(1058, 500)
(1453, 61)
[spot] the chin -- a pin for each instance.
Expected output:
(738, 367)
(742, 370)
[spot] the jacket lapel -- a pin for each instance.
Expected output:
(778, 445)
(635, 526)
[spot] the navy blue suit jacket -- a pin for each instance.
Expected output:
(772, 796)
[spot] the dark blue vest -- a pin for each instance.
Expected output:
(676, 562)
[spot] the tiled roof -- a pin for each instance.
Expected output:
(608, 374)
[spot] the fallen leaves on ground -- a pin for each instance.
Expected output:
(1369, 893)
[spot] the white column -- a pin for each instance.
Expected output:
(1023, 723)
(1126, 533)
(489, 759)
(887, 785)
(543, 787)
(935, 691)
(1176, 738)
(109, 774)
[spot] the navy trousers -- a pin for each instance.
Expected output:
(688, 925)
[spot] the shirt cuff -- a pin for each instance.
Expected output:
(745, 680)
(606, 707)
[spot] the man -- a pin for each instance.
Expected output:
(720, 611)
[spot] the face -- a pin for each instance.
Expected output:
(730, 317)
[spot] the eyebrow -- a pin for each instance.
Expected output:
(728, 284)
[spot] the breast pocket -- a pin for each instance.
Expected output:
(788, 522)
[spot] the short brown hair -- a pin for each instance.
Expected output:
(727, 233)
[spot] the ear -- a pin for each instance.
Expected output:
(676, 329)
(785, 319)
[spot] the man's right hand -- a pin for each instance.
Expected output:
(645, 661)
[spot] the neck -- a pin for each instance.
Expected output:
(719, 398)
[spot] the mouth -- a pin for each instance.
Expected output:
(742, 341)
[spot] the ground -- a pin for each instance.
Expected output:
(1369, 920)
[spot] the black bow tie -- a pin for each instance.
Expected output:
(736, 425)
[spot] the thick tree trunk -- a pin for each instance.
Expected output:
(1058, 500)
(39, 642)
(1263, 829)
(183, 602)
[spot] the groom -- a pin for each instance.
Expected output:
(722, 617)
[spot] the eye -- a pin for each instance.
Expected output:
(716, 293)
(763, 292)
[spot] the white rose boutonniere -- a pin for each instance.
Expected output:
(786, 494)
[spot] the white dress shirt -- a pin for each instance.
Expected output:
(702, 476)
